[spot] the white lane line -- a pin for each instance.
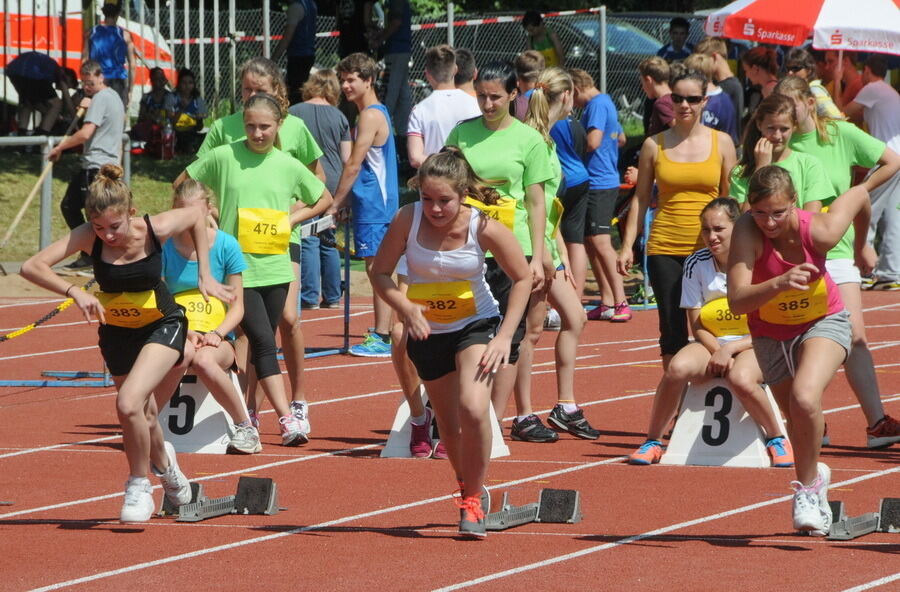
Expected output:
(29, 303)
(50, 353)
(875, 583)
(646, 535)
(882, 326)
(293, 531)
(54, 446)
(243, 471)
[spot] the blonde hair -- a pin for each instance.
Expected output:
(192, 188)
(656, 68)
(266, 68)
(324, 84)
(551, 84)
(795, 87)
(581, 78)
(108, 191)
(451, 165)
(702, 63)
(711, 45)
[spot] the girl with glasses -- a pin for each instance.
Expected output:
(800, 328)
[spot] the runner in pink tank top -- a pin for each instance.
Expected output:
(800, 330)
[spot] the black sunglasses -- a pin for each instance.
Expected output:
(795, 68)
(691, 99)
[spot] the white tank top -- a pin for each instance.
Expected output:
(450, 283)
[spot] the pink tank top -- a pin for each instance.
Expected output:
(792, 312)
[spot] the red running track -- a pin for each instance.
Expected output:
(357, 522)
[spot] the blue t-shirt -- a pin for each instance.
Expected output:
(401, 40)
(602, 163)
(225, 258)
(574, 171)
(721, 115)
(375, 192)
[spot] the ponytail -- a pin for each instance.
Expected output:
(548, 90)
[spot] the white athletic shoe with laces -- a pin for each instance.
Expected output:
(812, 514)
(300, 411)
(174, 483)
(138, 505)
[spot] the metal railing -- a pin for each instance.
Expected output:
(47, 143)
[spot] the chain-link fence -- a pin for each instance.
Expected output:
(629, 39)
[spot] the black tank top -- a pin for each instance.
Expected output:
(137, 276)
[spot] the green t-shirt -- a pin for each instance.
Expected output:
(849, 146)
(515, 158)
(244, 179)
(294, 136)
(807, 174)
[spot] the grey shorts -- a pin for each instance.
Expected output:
(777, 358)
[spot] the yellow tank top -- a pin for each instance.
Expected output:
(684, 189)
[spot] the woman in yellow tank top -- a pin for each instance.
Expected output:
(690, 164)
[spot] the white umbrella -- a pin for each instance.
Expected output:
(855, 25)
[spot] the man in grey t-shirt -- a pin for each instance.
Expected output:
(101, 135)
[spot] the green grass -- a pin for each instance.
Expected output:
(151, 185)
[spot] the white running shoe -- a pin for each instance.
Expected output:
(300, 410)
(245, 440)
(138, 505)
(174, 483)
(291, 431)
(812, 514)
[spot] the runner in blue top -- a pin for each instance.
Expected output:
(601, 122)
(110, 45)
(570, 138)
(369, 180)
(210, 323)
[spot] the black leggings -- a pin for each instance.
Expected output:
(665, 278)
(263, 306)
(72, 204)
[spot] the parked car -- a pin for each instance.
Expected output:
(580, 36)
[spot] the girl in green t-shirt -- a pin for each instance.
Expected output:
(840, 145)
(263, 193)
(550, 102)
(766, 142)
(505, 151)
(262, 75)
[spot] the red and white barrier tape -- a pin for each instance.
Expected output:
(421, 27)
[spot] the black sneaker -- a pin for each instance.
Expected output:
(83, 262)
(574, 423)
(531, 429)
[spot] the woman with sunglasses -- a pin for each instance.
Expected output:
(690, 164)
(801, 64)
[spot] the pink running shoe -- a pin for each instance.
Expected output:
(601, 313)
(440, 451)
(420, 445)
(622, 313)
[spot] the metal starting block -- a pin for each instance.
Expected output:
(889, 513)
(851, 528)
(562, 506)
(254, 496)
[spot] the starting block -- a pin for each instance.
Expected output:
(398, 442)
(559, 506)
(254, 496)
(889, 513)
(886, 519)
(714, 429)
(193, 421)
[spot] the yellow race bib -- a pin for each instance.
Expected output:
(554, 215)
(504, 211)
(717, 318)
(796, 307)
(202, 316)
(131, 310)
(262, 231)
(446, 302)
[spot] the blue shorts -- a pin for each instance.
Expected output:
(367, 238)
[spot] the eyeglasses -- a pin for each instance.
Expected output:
(775, 216)
(795, 68)
(691, 99)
